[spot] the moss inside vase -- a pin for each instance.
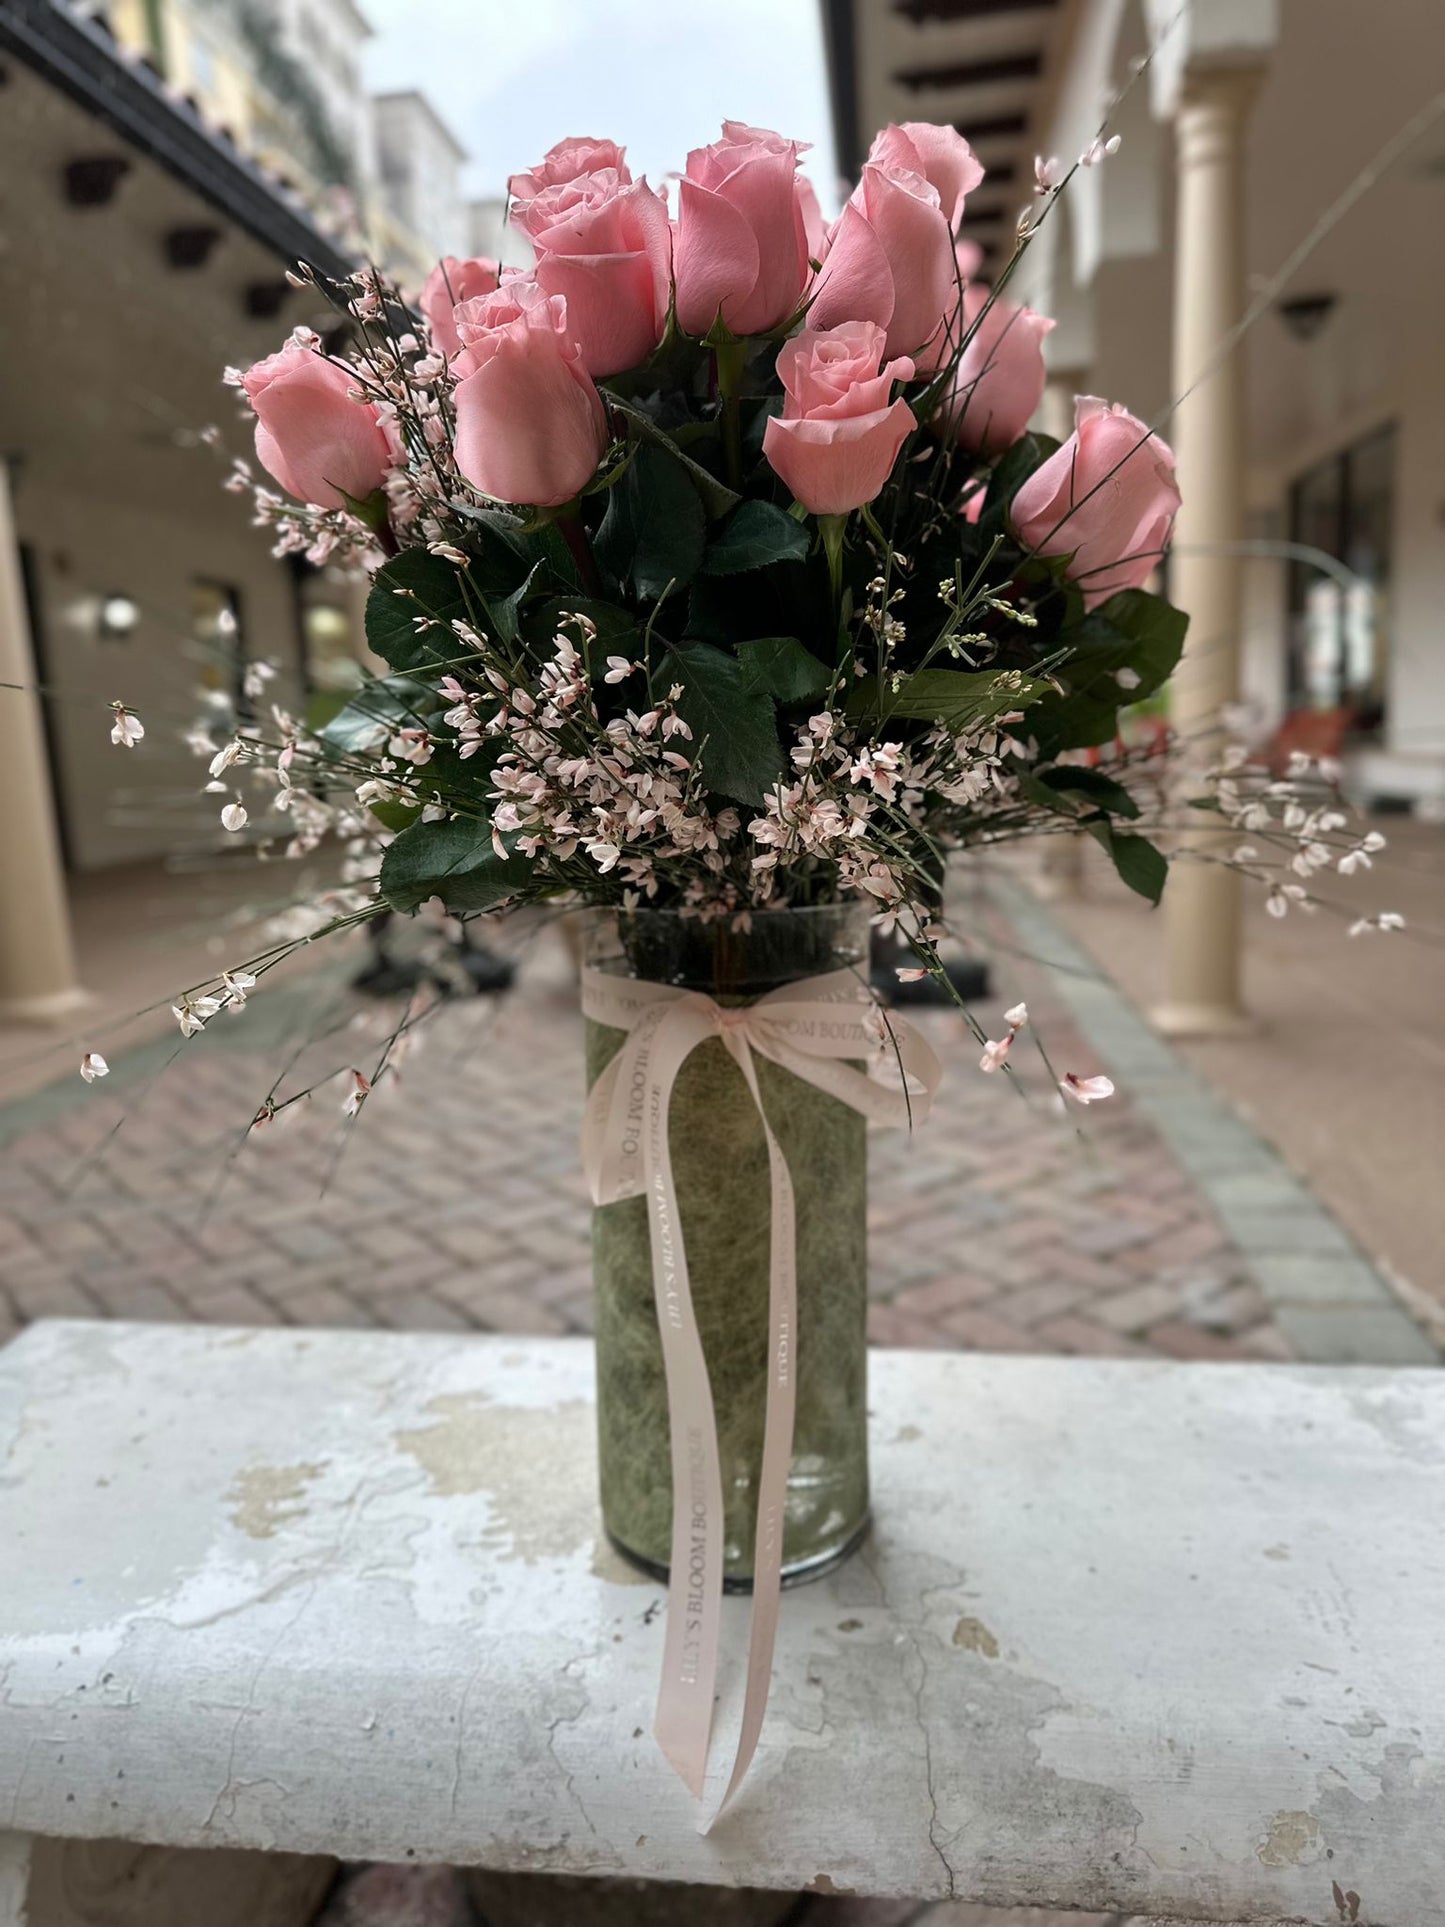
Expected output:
(720, 1166)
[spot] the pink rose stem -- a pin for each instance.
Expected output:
(728, 359)
(831, 528)
(569, 519)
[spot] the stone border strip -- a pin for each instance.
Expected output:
(1330, 1302)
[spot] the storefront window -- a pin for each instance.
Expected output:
(1339, 620)
(220, 644)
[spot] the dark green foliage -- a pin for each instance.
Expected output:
(455, 861)
(734, 729)
(783, 668)
(377, 711)
(1139, 864)
(756, 533)
(652, 535)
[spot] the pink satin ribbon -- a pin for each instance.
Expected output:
(818, 1029)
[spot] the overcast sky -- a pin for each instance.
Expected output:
(510, 77)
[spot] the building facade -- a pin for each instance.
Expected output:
(284, 79)
(144, 255)
(420, 164)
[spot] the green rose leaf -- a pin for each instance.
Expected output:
(655, 527)
(455, 861)
(1009, 474)
(412, 586)
(783, 668)
(1152, 629)
(395, 816)
(1144, 868)
(377, 711)
(716, 497)
(756, 534)
(734, 728)
(957, 698)
(617, 632)
(1090, 786)
(1140, 634)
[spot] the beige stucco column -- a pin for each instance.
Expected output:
(1201, 903)
(38, 982)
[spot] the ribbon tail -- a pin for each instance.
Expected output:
(777, 1441)
(683, 1722)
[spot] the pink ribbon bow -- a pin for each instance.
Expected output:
(818, 1029)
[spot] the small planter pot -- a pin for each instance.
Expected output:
(720, 1166)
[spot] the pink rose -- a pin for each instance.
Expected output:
(742, 241)
(941, 155)
(999, 381)
(451, 282)
(567, 161)
(530, 425)
(890, 259)
(1107, 500)
(312, 434)
(603, 243)
(839, 434)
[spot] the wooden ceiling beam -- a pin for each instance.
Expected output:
(970, 73)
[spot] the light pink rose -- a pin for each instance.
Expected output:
(530, 424)
(839, 434)
(940, 154)
(1107, 500)
(742, 242)
(567, 161)
(604, 244)
(319, 442)
(999, 381)
(890, 259)
(452, 281)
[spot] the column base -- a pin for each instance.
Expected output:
(54, 1008)
(1202, 1020)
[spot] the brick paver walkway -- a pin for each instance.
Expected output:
(456, 1201)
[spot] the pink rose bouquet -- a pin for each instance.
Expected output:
(717, 565)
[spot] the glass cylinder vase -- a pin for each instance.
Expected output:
(720, 1168)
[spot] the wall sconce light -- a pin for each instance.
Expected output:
(118, 616)
(1306, 314)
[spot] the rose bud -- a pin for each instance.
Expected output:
(449, 284)
(940, 154)
(1107, 500)
(999, 381)
(320, 442)
(839, 434)
(604, 244)
(569, 160)
(530, 424)
(741, 247)
(890, 260)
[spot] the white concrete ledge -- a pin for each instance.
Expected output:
(1155, 1637)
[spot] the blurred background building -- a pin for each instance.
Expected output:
(177, 156)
